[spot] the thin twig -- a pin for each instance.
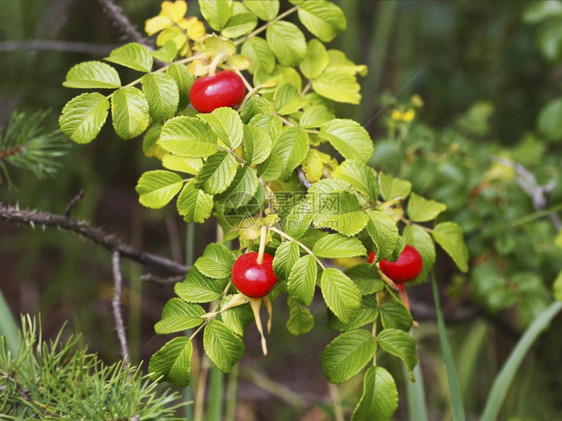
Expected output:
(121, 21)
(111, 242)
(56, 45)
(72, 202)
(119, 325)
(155, 279)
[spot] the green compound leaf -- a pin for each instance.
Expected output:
(449, 236)
(349, 138)
(394, 188)
(189, 137)
(285, 257)
(315, 61)
(178, 315)
(287, 42)
(380, 396)
(300, 320)
(337, 85)
(198, 288)
(236, 318)
(395, 316)
(129, 111)
(172, 363)
(265, 9)
(361, 177)
(92, 75)
(239, 24)
(340, 293)
(217, 173)
(291, 147)
(423, 210)
(194, 204)
(347, 354)
(162, 94)
(133, 55)
(83, 117)
(260, 54)
(302, 279)
(422, 242)
(337, 246)
(401, 344)
(242, 189)
(222, 346)
(183, 80)
(257, 145)
(226, 124)
(157, 188)
(323, 19)
(383, 231)
(216, 261)
(216, 12)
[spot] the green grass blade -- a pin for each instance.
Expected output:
(505, 377)
(8, 325)
(452, 380)
(415, 393)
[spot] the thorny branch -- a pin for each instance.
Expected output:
(116, 304)
(111, 242)
(121, 21)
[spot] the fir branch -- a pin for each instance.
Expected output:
(111, 242)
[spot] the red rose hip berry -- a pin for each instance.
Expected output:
(254, 279)
(224, 89)
(406, 268)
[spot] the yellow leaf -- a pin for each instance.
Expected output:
(239, 62)
(174, 34)
(156, 24)
(175, 11)
(347, 262)
(195, 28)
(198, 68)
(313, 166)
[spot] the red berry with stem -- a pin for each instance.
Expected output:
(254, 279)
(406, 268)
(224, 89)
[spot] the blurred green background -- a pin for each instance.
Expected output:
(489, 75)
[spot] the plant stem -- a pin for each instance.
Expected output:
(231, 390)
(201, 387)
(189, 253)
(335, 396)
(301, 245)
(263, 237)
(214, 408)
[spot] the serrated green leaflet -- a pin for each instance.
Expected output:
(217, 173)
(92, 75)
(167, 53)
(326, 186)
(287, 99)
(260, 54)
(239, 24)
(257, 145)
(198, 288)
(340, 294)
(291, 148)
(339, 211)
(383, 231)
(367, 314)
(226, 124)
(449, 236)
(346, 355)
(172, 363)
(188, 136)
(237, 318)
(194, 204)
(315, 116)
(216, 261)
(83, 117)
(400, 344)
(336, 245)
(339, 62)
(422, 242)
(129, 112)
(222, 346)
(366, 277)
(162, 94)
(287, 42)
(379, 400)
(285, 257)
(300, 320)
(423, 210)
(132, 55)
(349, 138)
(323, 19)
(315, 61)
(242, 189)
(157, 188)
(394, 188)
(270, 123)
(183, 80)
(181, 164)
(302, 279)
(216, 12)
(338, 86)
(150, 148)
(395, 316)
(299, 219)
(265, 9)
(271, 168)
(254, 106)
(178, 315)
(360, 176)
